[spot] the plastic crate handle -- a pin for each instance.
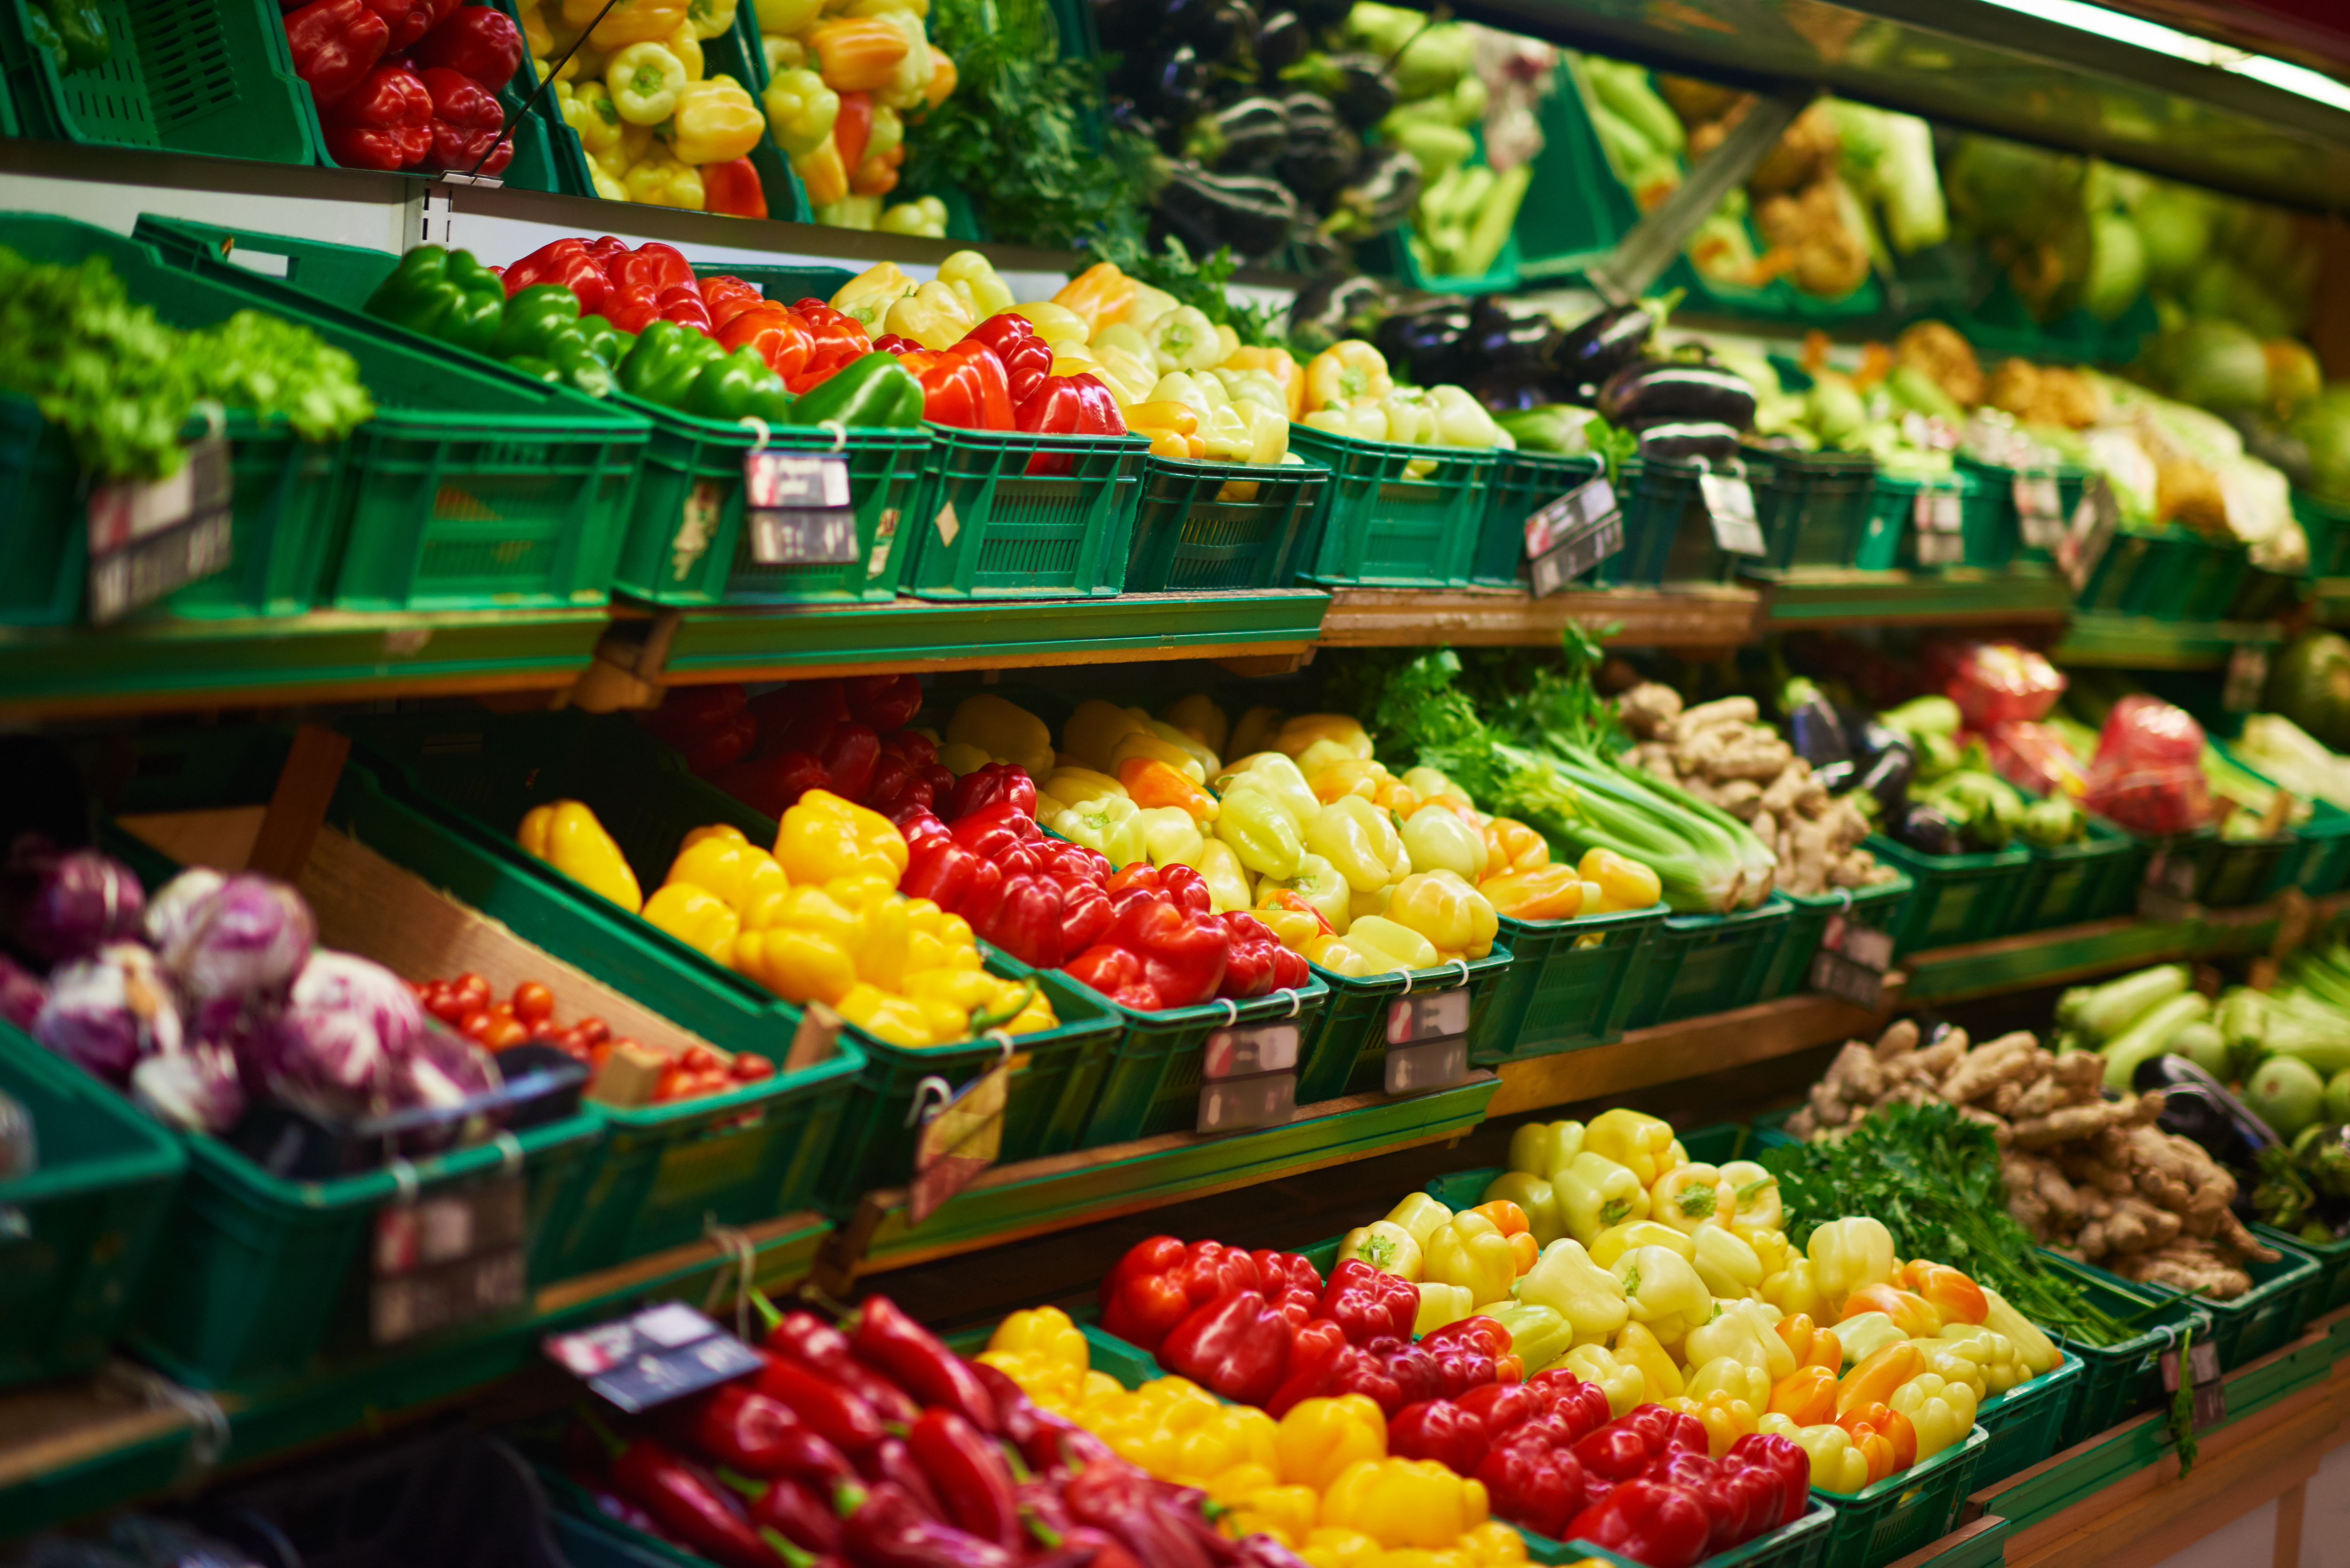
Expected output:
(933, 1083)
(1411, 982)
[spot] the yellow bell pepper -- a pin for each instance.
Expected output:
(1535, 1198)
(798, 964)
(1620, 1380)
(1319, 1439)
(1865, 1334)
(1955, 1363)
(1726, 1262)
(1756, 1194)
(1438, 839)
(971, 275)
(715, 122)
(1733, 1379)
(587, 108)
(1226, 1448)
(1836, 1465)
(1617, 1240)
(729, 866)
(1636, 1142)
(1331, 954)
(1042, 1331)
(1544, 1149)
(1941, 1412)
(1742, 1331)
(566, 835)
(629, 21)
(1794, 1289)
(823, 838)
(1848, 1253)
(1420, 1216)
(1688, 1195)
(1404, 1502)
(1567, 1280)
(1385, 1246)
(665, 182)
(1440, 1304)
(2033, 1348)
(1316, 885)
(1596, 1193)
(1725, 1420)
(1261, 829)
(1445, 908)
(1285, 1512)
(1471, 1252)
(1636, 1345)
(645, 79)
(1324, 1548)
(801, 110)
(1771, 1248)
(1539, 1334)
(986, 729)
(1390, 948)
(868, 296)
(1111, 824)
(1996, 1364)
(1663, 1292)
(1346, 375)
(934, 315)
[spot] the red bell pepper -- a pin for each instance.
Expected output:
(775, 331)
(735, 189)
(745, 1430)
(801, 716)
(887, 702)
(965, 386)
(1502, 1407)
(991, 784)
(994, 830)
(726, 297)
(335, 44)
(1052, 408)
(682, 303)
(849, 759)
(918, 748)
(890, 343)
(710, 726)
(1368, 1305)
(1236, 1345)
(1159, 1279)
(770, 786)
(1314, 1354)
(567, 261)
(1074, 865)
(941, 870)
(467, 123)
(1085, 914)
(1279, 1271)
(1582, 1405)
(1023, 918)
(853, 127)
(1788, 1468)
(1180, 884)
(385, 122)
(1624, 1448)
(663, 266)
(1413, 1368)
(632, 307)
(1538, 1487)
(1361, 1370)
(481, 41)
(1725, 1509)
(972, 1480)
(406, 21)
(1098, 407)
(1028, 359)
(888, 1340)
(1180, 957)
(1655, 1522)
(837, 339)
(1258, 962)
(1438, 1429)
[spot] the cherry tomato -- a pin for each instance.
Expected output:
(473, 989)
(750, 1068)
(673, 1085)
(476, 1026)
(573, 1042)
(697, 1059)
(533, 1001)
(593, 1029)
(445, 1004)
(597, 1051)
(547, 1029)
(504, 1034)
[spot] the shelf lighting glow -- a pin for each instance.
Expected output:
(2139, 33)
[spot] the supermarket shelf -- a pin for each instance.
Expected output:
(1013, 1202)
(2133, 642)
(324, 656)
(2069, 953)
(1816, 599)
(69, 1449)
(1504, 617)
(1691, 1048)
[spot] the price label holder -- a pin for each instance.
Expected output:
(2087, 535)
(1853, 959)
(1573, 534)
(2167, 893)
(1730, 503)
(2248, 673)
(796, 504)
(148, 537)
(1428, 1039)
(651, 1357)
(449, 1257)
(2210, 1395)
(1250, 1072)
(1938, 520)
(2039, 510)
(961, 1134)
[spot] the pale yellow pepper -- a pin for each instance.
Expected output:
(1638, 1143)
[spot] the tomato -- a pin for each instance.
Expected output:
(593, 1029)
(547, 1029)
(444, 1003)
(476, 1026)
(504, 1034)
(473, 989)
(697, 1059)
(572, 1041)
(750, 1068)
(674, 1084)
(597, 1051)
(533, 1001)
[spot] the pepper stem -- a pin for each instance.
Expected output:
(783, 1548)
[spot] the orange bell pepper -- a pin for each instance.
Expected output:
(1507, 1217)
(1912, 1314)
(1806, 1395)
(1882, 1424)
(1511, 845)
(1151, 783)
(1394, 794)
(1813, 1345)
(856, 54)
(1101, 294)
(1544, 893)
(1524, 1250)
(1873, 1380)
(1945, 1288)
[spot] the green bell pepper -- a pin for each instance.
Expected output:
(535, 318)
(873, 389)
(665, 363)
(606, 341)
(443, 293)
(536, 368)
(740, 385)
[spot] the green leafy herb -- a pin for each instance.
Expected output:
(1932, 1178)
(1200, 283)
(2181, 1416)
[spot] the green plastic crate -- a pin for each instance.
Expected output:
(2186, 577)
(85, 1219)
(207, 78)
(2025, 1423)
(1156, 1066)
(2229, 872)
(1891, 539)
(2119, 1380)
(1694, 965)
(2264, 1318)
(1881, 905)
(1902, 1513)
(2264, 595)
(1812, 505)
(1521, 484)
(475, 486)
(1999, 480)
(1390, 254)
(2328, 524)
(2068, 884)
(740, 1156)
(1566, 984)
(2128, 558)
(346, 275)
(1187, 536)
(1379, 523)
(1984, 1545)
(1056, 1075)
(2325, 865)
(1801, 1544)
(984, 528)
(1347, 1052)
(1956, 898)
(1667, 536)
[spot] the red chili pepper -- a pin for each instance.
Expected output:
(760, 1436)
(885, 1529)
(892, 1461)
(792, 1510)
(1045, 1441)
(1159, 1525)
(481, 41)
(335, 44)
(837, 1416)
(1654, 1522)
(1540, 1489)
(1368, 1305)
(568, 263)
(1236, 1345)
(972, 1480)
(1439, 1430)
(690, 1504)
(735, 189)
(385, 122)
(1788, 1468)
(887, 702)
(803, 1337)
(886, 1338)
(837, 338)
(987, 786)
(466, 122)
(964, 386)
(771, 785)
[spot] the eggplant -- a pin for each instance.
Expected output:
(1887, 775)
(1323, 149)
(1242, 138)
(1428, 345)
(1356, 84)
(1509, 388)
(1928, 830)
(1708, 442)
(1330, 308)
(1654, 389)
(1281, 42)
(1227, 32)
(1813, 727)
(1838, 777)
(1379, 197)
(2199, 1107)
(1167, 87)
(1605, 343)
(1250, 213)
(1505, 339)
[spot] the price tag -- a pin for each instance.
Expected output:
(1428, 1016)
(797, 507)
(1574, 512)
(1937, 522)
(960, 1139)
(2039, 510)
(2167, 893)
(1242, 1053)
(2210, 1395)
(1729, 503)
(660, 1353)
(2090, 531)
(789, 534)
(1577, 554)
(1428, 1040)
(2248, 673)
(1851, 962)
(149, 537)
(1233, 1105)
(448, 1257)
